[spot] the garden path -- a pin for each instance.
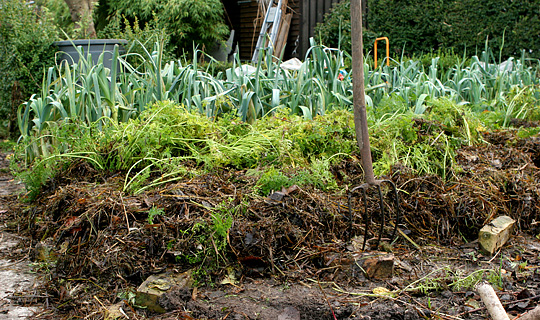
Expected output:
(16, 277)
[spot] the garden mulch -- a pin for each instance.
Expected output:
(287, 254)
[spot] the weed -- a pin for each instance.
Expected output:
(127, 295)
(317, 175)
(272, 180)
(154, 212)
(210, 252)
(422, 145)
(445, 277)
(7, 145)
(527, 132)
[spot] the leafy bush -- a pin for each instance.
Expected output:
(335, 31)
(26, 36)
(141, 39)
(60, 16)
(187, 21)
(423, 26)
(447, 59)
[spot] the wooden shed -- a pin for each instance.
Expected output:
(247, 16)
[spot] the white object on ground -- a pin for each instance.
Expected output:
(293, 64)
(492, 302)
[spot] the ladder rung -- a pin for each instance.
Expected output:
(272, 15)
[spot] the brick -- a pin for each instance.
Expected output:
(378, 265)
(495, 234)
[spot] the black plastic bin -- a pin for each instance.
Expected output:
(95, 47)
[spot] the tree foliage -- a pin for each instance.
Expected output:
(187, 21)
(26, 37)
(335, 32)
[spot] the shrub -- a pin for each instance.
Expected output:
(422, 26)
(187, 21)
(338, 22)
(26, 36)
(60, 16)
(141, 39)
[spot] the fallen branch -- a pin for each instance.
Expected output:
(504, 304)
(492, 302)
(325, 298)
(534, 314)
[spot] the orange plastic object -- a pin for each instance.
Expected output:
(387, 50)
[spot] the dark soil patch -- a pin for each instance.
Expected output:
(291, 250)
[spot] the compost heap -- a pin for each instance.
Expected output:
(95, 230)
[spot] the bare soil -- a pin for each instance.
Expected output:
(286, 256)
(16, 277)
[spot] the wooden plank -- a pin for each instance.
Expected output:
(294, 30)
(304, 34)
(250, 24)
(311, 18)
(283, 34)
(321, 6)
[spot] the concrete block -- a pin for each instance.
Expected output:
(495, 234)
(155, 286)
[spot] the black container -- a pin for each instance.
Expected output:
(68, 49)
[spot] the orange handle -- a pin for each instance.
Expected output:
(387, 50)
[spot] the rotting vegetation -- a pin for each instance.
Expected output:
(176, 190)
(221, 219)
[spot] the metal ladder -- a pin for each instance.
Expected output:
(273, 18)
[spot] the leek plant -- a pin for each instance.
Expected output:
(88, 93)
(481, 81)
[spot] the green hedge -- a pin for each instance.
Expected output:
(423, 26)
(26, 37)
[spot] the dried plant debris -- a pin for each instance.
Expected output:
(106, 242)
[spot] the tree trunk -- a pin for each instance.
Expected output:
(81, 15)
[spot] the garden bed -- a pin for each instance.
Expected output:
(282, 253)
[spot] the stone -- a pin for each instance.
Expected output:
(289, 313)
(495, 234)
(44, 252)
(114, 312)
(277, 196)
(151, 290)
(376, 265)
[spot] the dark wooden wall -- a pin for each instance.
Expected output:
(307, 13)
(311, 13)
(293, 41)
(250, 25)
